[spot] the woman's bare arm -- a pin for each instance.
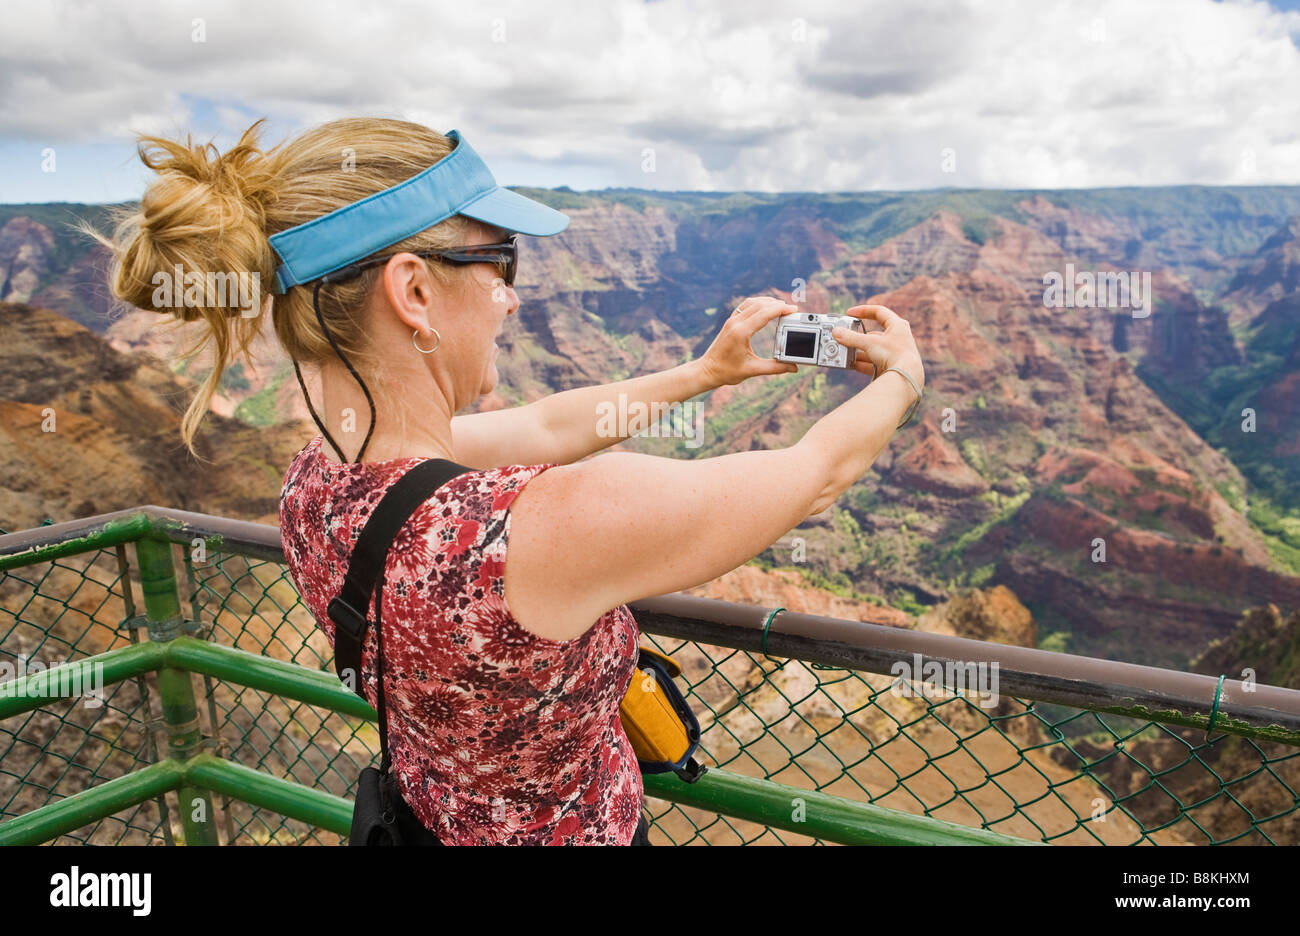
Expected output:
(565, 427)
(588, 537)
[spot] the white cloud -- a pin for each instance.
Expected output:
(1027, 93)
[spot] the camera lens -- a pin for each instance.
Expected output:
(811, 317)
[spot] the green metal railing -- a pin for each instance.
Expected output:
(216, 717)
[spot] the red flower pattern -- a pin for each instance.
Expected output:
(497, 736)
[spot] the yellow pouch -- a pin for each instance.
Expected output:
(662, 728)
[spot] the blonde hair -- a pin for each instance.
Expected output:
(213, 213)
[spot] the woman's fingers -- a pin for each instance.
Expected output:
(762, 313)
(873, 348)
(771, 366)
(864, 365)
(731, 357)
(762, 309)
(882, 314)
(882, 349)
(749, 304)
(854, 339)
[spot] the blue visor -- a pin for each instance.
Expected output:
(459, 183)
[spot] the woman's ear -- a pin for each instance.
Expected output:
(408, 287)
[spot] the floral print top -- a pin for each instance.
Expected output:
(497, 736)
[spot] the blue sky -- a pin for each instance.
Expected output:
(766, 95)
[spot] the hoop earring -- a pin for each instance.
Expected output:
(416, 334)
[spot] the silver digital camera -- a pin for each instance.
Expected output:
(805, 338)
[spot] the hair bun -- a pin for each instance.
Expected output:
(196, 246)
(239, 179)
(205, 213)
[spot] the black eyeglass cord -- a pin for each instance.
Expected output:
(315, 304)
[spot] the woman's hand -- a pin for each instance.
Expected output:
(881, 350)
(730, 359)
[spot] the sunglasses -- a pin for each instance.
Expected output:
(504, 255)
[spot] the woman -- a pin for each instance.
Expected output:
(388, 246)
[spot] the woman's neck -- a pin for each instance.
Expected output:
(401, 430)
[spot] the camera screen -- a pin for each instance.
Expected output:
(799, 343)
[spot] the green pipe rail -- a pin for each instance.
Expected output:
(192, 775)
(178, 650)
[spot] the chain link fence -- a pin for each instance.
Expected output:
(1031, 770)
(59, 612)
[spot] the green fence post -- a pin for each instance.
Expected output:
(162, 604)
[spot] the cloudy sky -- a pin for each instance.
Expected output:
(759, 95)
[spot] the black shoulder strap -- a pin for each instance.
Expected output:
(349, 609)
